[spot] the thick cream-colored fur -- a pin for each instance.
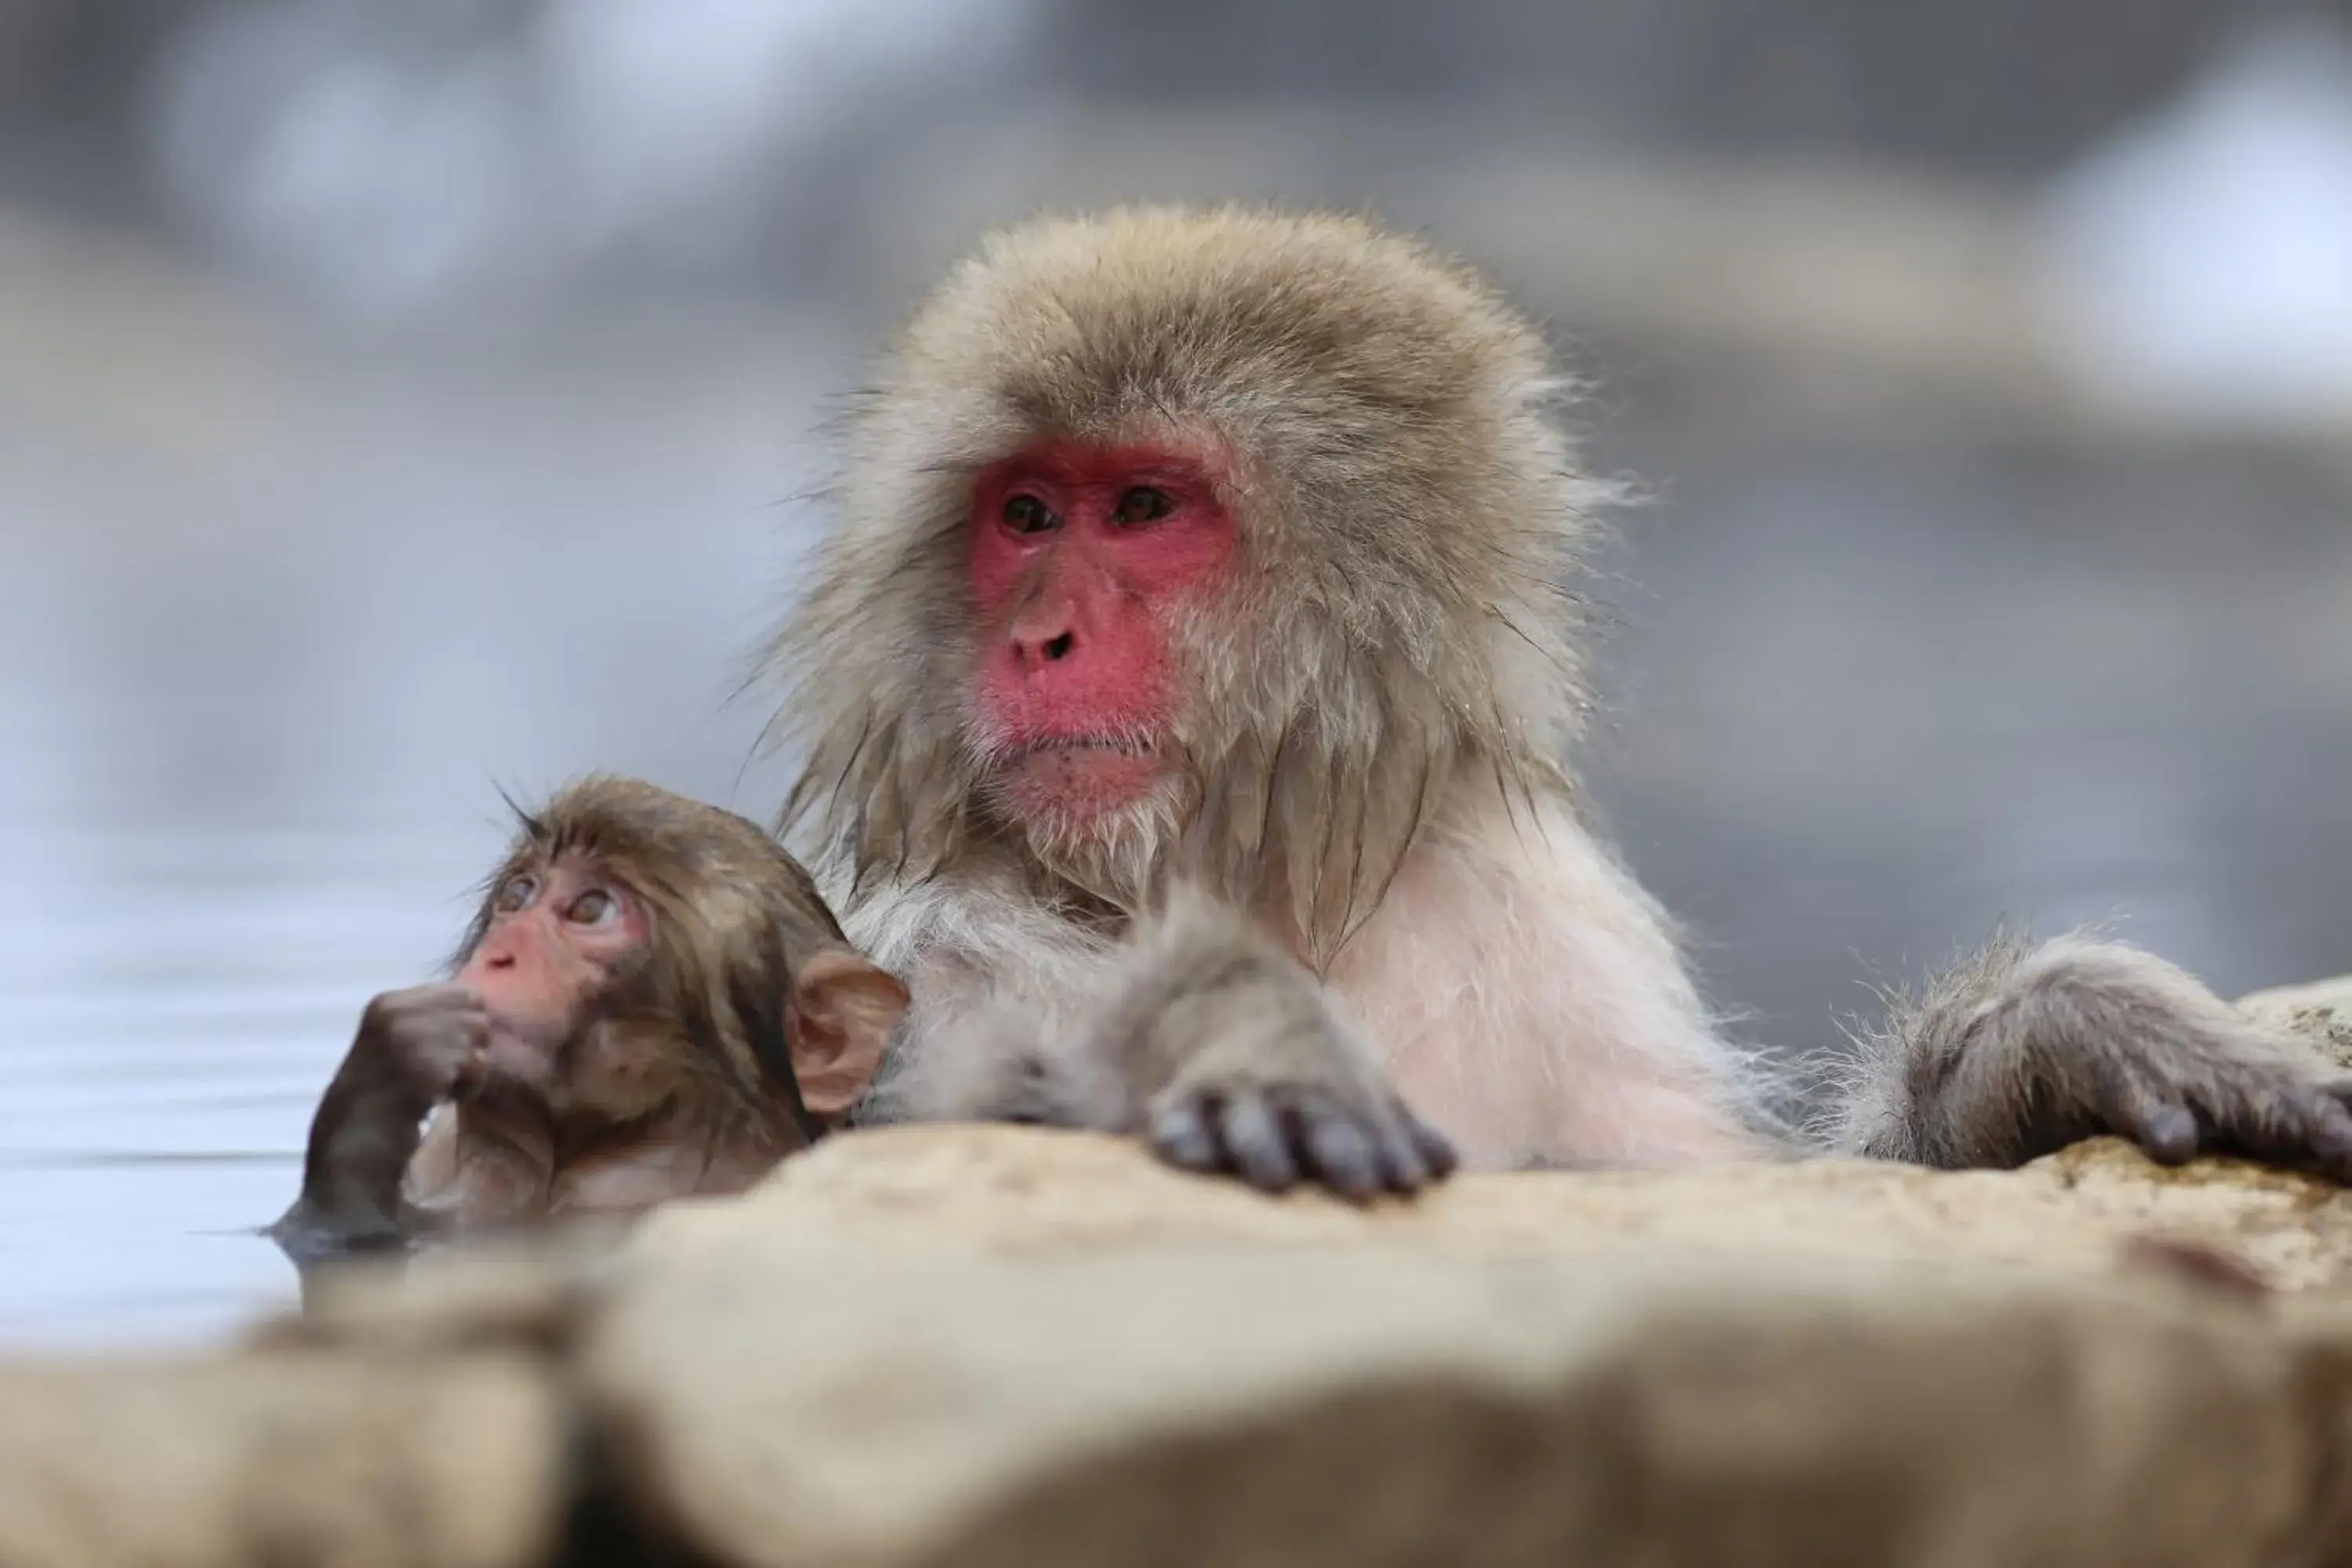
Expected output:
(1372, 753)
(1381, 701)
(1410, 514)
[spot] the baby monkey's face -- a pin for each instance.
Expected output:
(638, 953)
(560, 931)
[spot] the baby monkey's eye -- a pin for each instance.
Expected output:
(1027, 514)
(1142, 505)
(593, 908)
(516, 893)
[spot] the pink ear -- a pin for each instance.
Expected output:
(844, 1008)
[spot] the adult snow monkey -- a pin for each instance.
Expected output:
(1187, 698)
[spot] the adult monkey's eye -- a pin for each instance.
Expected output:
(1142, 505)
(1027, 514)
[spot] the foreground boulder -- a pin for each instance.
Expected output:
(789, 1404)
(300, 1456)
(985, 1346)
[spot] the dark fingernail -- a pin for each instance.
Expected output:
(2331, 1138)
(1403, 1169)
(1253, 1138)
(1183, 1140)
(1341, 1154)
(1436, 1150)
(2169, 1133)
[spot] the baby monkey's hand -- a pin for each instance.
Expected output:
(423, 1045)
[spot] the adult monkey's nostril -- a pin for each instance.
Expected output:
(1058, 647)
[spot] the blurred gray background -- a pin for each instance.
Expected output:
(401, 400)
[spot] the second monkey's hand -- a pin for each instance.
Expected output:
(2229, 1089)
(1232, 1061)
(2031, 1046)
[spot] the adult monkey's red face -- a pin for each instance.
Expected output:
(1190, 548)
(1083, 557)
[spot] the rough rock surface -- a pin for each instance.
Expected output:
(1026, 1193)
(282, 1457)
(794, 1403)
(2321, 1010)
(985, 1346)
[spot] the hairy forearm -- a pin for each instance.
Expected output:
(1199, 977)
(1092, 1051)
(362, 1140)
(2023, 1049)
(1198, 1034)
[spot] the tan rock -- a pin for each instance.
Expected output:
(1026, 1192)
(988, 1345)
(351, 1460)
(2321, 1010)
(794, 1402)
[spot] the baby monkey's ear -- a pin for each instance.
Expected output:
(844, 1007)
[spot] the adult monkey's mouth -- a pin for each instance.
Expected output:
(1120, 745)
(1080, 775)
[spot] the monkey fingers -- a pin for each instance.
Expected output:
(2304, 1126)
(2255, 1110)
(1215, 1133)
(2165, 1130)
(1436, 1150)
(434, 1035)
(1274, 1137)
(1255, 1140)
(1395, 1150)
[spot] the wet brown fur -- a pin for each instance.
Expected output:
(677, 1076)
